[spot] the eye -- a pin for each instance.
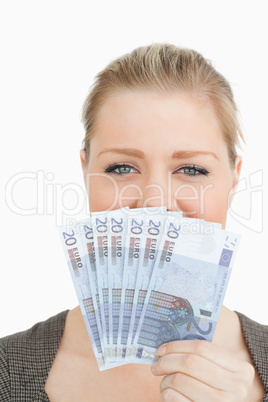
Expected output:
(192, 170)
(120, 169)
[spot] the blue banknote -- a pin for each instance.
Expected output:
(147, 276)
(186, 289)
(76, 260)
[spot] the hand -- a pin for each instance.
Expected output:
(201, 371)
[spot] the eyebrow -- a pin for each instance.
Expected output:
(141, 155)
(189, 154)
(125, 151)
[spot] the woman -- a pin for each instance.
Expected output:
(161, 129)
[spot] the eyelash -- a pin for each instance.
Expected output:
(112, 167)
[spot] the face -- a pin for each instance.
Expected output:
(151, 150)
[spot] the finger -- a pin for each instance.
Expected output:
(190, 388)
(171, 395)
(208, 350)
(195, 366)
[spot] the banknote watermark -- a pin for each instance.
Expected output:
(67, 201)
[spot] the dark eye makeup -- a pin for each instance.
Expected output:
(192, 170)
(189, 170)
(123, 167)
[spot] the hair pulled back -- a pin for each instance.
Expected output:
(165, 68)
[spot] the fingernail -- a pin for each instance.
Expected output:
(161, 350)
(154, 366)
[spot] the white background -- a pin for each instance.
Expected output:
(50, 53)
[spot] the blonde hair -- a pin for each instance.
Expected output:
(165, 68)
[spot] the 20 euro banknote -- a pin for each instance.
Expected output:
(186, 289)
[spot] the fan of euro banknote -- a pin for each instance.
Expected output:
(147, 276)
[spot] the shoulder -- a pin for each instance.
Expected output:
(26, 357)
(4, 378)
(237, 333)
(256, 338)
(253, 329)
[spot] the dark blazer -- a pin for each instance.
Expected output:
(26, 357)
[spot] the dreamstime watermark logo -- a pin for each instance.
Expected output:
(47, 197)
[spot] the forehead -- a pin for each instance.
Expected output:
(155, 121)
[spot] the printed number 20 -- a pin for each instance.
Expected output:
(69, 239)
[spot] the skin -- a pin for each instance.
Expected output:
(158, 125)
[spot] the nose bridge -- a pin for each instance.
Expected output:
(156, 189)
